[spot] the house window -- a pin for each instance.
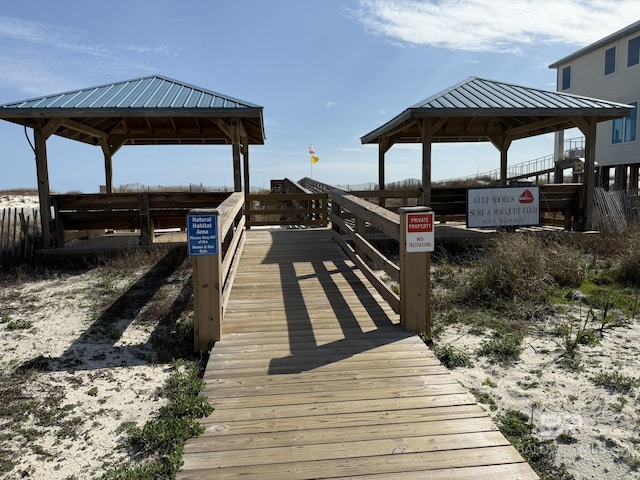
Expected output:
(566, 77)
(633, 53)
(631, 124)
(625, 129)
(616, 134)
(609, 60)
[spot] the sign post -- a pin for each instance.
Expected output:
(203, 242)
(417, 241)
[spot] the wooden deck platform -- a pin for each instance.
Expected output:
(313, 378)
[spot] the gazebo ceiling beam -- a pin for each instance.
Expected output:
(401, 130)
(51, 126)
(222, 125)
(172, 135)
(532, 127)
(82, 128)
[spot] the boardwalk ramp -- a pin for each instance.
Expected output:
(314, 379)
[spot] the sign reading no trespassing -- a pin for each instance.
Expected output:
(420, 233)
(503, 207)
(202, 234)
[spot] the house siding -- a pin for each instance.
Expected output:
(588, 79)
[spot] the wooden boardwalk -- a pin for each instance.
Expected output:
(314, 378)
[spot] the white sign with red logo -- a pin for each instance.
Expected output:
(420, 233)
(503, 207)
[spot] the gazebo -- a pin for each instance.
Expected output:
(481, 110)
(153, 110)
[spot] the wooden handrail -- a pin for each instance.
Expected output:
(308, 209)
(213, 275)
(361, 251)
(412, 272)
(384, 220)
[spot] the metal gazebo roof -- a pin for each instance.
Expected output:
(151, 110)
(477, 109)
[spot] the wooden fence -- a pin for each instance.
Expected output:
(20, 235)
(615, 209)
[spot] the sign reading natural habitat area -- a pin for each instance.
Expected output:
(503, 207)
(202, 234)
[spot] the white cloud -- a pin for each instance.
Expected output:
(330, 104)
(493, 26)
(40, 58)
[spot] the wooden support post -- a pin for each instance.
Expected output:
(502, 144)
(144, 219)
(633, 178)
(247, 176)
(415, 283)
(237, 172)
(426, 132)
(44, 196)
(558, 174)
(620, 181)
(588, 129)
(383, 147)
(336, 211)
(108, 165)
(207, 294)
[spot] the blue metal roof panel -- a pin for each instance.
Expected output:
(153, 92)
(489, 102)
(480, 94)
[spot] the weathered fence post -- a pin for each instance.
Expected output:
(416, 243)
(204, 247)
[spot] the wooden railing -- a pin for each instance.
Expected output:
(287, 186)
(560, 204)
(145, 211)
(213, 275)
(305, 209)
(351, 216)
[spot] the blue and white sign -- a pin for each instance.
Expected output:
(202, 234)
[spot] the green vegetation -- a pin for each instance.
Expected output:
(157, 291)
(616, 382)
(484, 398)
(503, 347)
(517, 428)
(157, 447)
(16, 324)
(452, 357)
(526, 291)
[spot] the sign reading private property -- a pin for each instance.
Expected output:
(202, 234)
(420, 233)
(503, 207)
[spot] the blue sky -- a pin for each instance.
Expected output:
(326, 72)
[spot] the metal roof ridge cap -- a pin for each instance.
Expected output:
(441, 93)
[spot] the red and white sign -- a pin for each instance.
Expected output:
(420, 233)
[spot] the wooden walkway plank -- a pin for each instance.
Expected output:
(313, 378)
